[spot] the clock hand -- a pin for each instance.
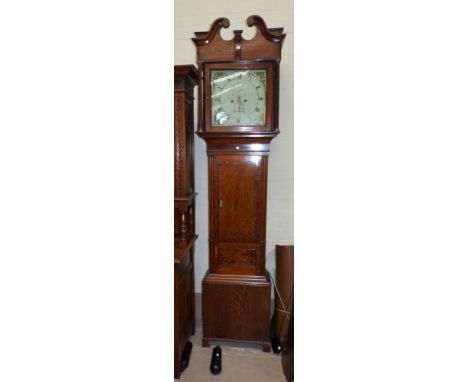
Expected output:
(240, 104)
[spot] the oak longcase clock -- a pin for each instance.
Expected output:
(238, 118)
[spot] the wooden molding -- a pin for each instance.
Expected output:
(266, 45)
(185, 77)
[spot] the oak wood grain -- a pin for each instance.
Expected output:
(185, 78)
(236, 288)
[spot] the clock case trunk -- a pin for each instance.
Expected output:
(236, 288)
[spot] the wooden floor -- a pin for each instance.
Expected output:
(245, 364)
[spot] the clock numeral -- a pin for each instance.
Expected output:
(257, 109)
(258, 86)
(260, 98)
(217, 99)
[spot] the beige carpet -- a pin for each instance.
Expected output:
(244, 364)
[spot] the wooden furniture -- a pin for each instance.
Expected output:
(287, 356)
(238, 117)
(284, 306)
(284, 293)
(185, 78)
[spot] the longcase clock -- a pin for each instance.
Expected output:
(238, 118)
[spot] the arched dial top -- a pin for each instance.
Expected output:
(238, 97)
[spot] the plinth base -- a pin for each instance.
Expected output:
(266, 346)
(236, 308)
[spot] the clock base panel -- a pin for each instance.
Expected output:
(236, 308)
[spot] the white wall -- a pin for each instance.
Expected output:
(191, 16)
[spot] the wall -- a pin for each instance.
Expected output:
(191, 16)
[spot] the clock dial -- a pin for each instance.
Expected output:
(238, 97)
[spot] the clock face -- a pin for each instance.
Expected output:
(238, 97)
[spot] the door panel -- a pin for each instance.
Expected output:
(237, 183)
